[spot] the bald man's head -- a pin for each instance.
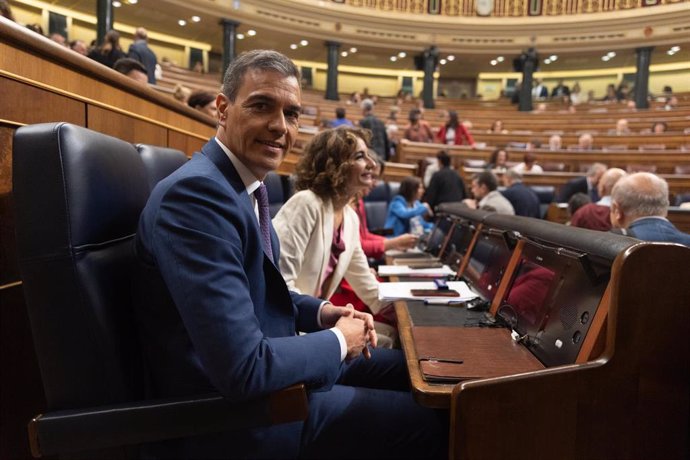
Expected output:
(638, 195)
(608, 180)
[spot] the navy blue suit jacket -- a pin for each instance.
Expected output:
(214, 311)
(524, 200)
(655, 229)
(140, 51)
(577, 185)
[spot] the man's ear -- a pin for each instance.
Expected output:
(222, 104)
(616, 215)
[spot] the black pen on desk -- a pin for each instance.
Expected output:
(442, 360)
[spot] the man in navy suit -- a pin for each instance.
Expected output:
(140, 51)
(216, 315)
(524, 200)
(639, 205)
(586, 185)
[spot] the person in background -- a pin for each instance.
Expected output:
(131, 68)
(58, 38)
(35, 28)
(78, 46)
(497, 128)
(498, 160)
(524, 200)
(110, 50)
(204, 102)
(405, 210)
(198, 67)
(5, 10)
(585, 142)
(576, 202)
(418, 130)
(659, 127)
(340, 119)
(318, 229)
(140, 51)
(181, 93)
(611, 94)
(379, 139)
(555, 142)
(639, 206)
(596, 216)
(622, 128)
(560, 90)
(529, 164)
(486, 196)
(576, 94)
(586, 184)
(453, 132)
(446, 185)
(539, 91)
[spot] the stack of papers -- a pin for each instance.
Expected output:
(413, 252)
(403, 291)
(406, 270)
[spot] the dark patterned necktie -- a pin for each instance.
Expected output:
(261, 196)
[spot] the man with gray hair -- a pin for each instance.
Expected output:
(595, 216)
(215, 314)
(639, 205)
(379, 139)
(140, 51)
(586, 184)
(524, 200)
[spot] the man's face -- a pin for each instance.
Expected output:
(261, 125)
(478, 190)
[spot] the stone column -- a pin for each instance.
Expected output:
(332, 75)
(229, 40)
(644, 57)
(104, 19)
(529, 60)
(430, 63)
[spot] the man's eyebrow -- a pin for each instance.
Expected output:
(294, 108)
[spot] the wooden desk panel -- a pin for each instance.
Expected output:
(125, 128)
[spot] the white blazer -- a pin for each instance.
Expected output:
(304, 226)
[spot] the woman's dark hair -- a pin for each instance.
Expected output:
(452, 119)
(325, 163)
(494, 155)
(409, 187)
(443, 157)
(662, 123)
(577, 201)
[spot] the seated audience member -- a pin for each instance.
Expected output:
(585, 142)
(555, 142)
(576, 94)
(524, 200)
(318, 229)
(110, 50)
(671, 103)
(405, 210)
(498, 160)
(131, 68)
(486, 196)
(621, 128)
(529, 164)
(204, 102)
(587, 184)
(453, 132)
(181, 93)
(639, 206)
(379, 139)
(497, 128)
(215, 314)
(611, 94)
(340, 119)
(596, 216)
(78, 46)
(58, 38)
(446, 185)
(418, 130)
(659, 127)
(576, 202)
(5, 10)
(560, 90)
(35, 28)
(539, 91)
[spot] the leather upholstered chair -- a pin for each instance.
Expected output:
(277, 195)
(78, 197)
(160, 162)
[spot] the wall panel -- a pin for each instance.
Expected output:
(125, 128)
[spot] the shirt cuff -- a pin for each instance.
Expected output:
(338, 333)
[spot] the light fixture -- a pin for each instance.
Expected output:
(547, 61)
(240, 36)
(196, 19)
(443, 62)
(611, 54)
(182, 22)
(553, 58)
(605, 58)
(394, 58)
(493, 62)
(675, 49)
(132, 2)
(293, 46)
(450, 58)
(402, 54)
(251, 32)
(303, 42)
(343, 54)
(353, 50)
(117, 4)
(670, 52)
(500, 59)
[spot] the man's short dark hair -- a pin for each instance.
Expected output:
(340, 112)
(265, 60)
(443, 158)
(487, 178)
(200, 98)
(126, 65)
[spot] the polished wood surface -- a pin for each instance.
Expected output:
(125, 128)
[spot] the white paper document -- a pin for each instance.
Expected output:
(412, 252)
(402, 290)
(406, 270)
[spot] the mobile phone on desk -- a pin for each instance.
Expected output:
(435, 293)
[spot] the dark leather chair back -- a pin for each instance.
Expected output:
(78, 197)
(276, 192)
(160, 162)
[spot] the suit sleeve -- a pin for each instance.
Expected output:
(203, 243)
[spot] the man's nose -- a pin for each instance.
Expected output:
(277, 123)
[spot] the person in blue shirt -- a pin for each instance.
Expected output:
(406, 209)
(340, 119)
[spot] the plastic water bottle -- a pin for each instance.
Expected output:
(416, 227)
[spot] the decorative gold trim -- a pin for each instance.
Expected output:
(99, 104)
(11, 123)
(10, 285)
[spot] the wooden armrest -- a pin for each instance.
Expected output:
(155, 420)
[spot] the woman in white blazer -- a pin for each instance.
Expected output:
(319, 231)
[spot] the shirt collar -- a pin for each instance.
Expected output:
(251, 183)
(605, 201)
